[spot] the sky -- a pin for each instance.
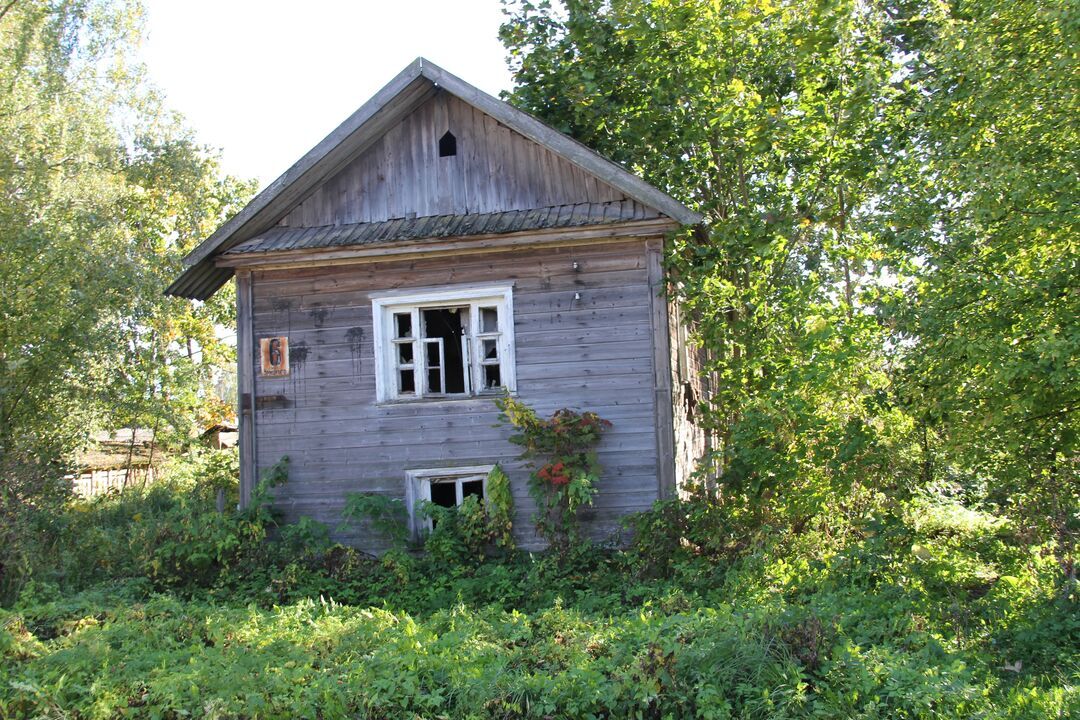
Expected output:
(265, 81)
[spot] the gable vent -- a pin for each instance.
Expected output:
(447, 145)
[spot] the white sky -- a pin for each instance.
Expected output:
(265, 81)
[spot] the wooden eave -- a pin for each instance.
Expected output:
(411, 87)
(445, 246)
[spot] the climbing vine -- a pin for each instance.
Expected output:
(500, 509)
(564, 479)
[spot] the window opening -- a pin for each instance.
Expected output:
(447, 145)
(445, 487)
(439, 343)
(444, 333)
(444, 493)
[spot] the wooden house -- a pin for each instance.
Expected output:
(438, 248)
(115, 460)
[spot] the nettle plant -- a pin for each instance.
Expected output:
(565, 475)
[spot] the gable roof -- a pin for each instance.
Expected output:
(415, 84)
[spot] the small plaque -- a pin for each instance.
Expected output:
(274, 352)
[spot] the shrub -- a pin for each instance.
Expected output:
(566, 479)
(499, 505)
(386, 516)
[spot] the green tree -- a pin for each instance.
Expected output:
(772, 119)
(887, 285)
(101, 193)
(985, 214)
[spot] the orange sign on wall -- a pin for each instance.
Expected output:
(274, 352)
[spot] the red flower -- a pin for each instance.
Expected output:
(554, 473)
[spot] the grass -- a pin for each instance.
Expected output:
(933, 610)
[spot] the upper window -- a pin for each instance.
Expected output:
(443, 343)
(447, 145)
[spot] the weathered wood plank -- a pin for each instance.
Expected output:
(338, 310)
(496, 169)
(245, 386)
(353, 294)
(619, 254)
(661, 362)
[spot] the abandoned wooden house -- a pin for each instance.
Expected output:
(115, 460)
(437, 249)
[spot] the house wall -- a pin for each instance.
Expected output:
(593, 353)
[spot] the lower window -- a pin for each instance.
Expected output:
(447, 487)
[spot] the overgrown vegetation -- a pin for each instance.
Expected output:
(923, 609)
(884, 287)
(565, 480)
(102, 192)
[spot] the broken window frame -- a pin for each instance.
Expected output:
(418, 487)
(473, 299)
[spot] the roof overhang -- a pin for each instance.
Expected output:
(455, 246)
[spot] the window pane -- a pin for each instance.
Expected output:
(434, 381)
(403, 324)
(492, 377)
(489, 320)
(491, 349)
(407, 381)
(433, 359)
(444, 493)
(472, 487)
(405, 353)
(445, 329)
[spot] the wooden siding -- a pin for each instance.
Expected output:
(401, 174)
(584, 339)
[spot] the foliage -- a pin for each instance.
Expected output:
(102, 191)
(883, 287)
(773, 120)
(566, 480)
(384, 514)
(680, 532)
(499, 503)
(458, 534)
(932, 610)
(986, 203)
(169, 532)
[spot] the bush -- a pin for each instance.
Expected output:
(919, 609)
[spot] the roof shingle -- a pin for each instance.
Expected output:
(443, 226)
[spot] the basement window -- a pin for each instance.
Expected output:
(454, 342)
(447, 487)
(447, 145)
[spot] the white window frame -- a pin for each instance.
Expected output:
(385, 305)
(418, 487)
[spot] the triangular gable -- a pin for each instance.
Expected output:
(304, 194)
(492, 169)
